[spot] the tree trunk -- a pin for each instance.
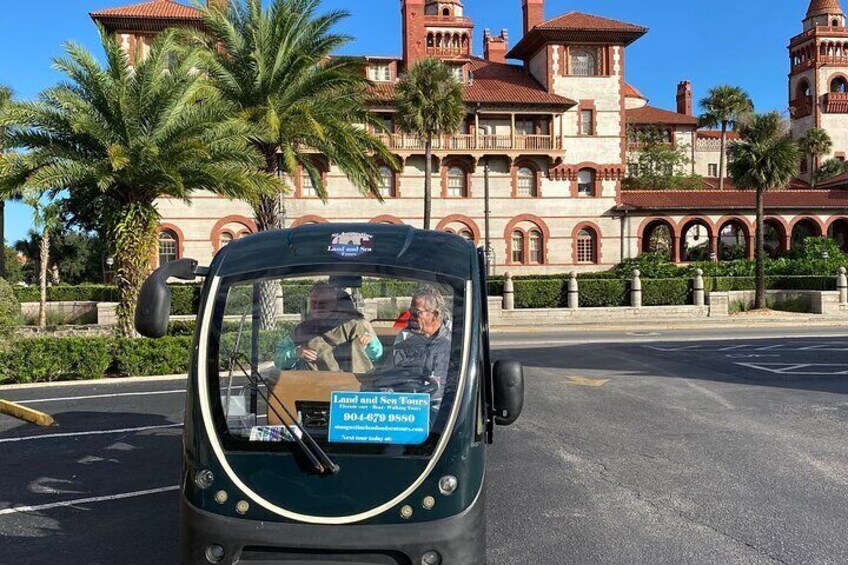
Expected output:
(44, 258)
(721, 155)
(759, 252)
(813, 163)
(268, 217)
(3, 238)
(428, 181)
(133, 233)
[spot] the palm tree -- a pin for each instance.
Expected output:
(429, 104)
(723, 107)
(47, 219)
(275, 67)
(5, 99)
(815, 143)
(764, 158)
(114, 139)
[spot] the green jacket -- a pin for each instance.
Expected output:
(286, 358)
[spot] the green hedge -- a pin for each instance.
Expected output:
(666, 292)
(185, 299)
(543, 293)
(10, 309)
(604, 293)
(724, 284)
(147, 357)
(55, 359)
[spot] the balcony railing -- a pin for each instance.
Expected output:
(448, 51)
(801, 107)
(468, 142)
(836, 103)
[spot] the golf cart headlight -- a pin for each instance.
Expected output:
(448, 484)
(204, 478)
(431, 558)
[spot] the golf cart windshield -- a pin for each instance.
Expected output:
(362, 359)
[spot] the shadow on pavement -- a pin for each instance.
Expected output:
(44, 471)
(743, 361)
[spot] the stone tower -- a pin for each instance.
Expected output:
(818, 78)
(436, 28)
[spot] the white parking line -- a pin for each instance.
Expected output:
(803, 369)
(95, 396)
(89, 433)
(82, 501)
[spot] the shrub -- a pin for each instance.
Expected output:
(146, 357)
(10, 308)
(545, 293)
(604, 293)
(651, 265)
(182, 328)
(185, 299)
(666, 292)
(55, 359)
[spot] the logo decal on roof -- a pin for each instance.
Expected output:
(350, 245)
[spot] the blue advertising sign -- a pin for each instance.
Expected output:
(379, 417)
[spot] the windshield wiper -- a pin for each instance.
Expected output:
(317, 456)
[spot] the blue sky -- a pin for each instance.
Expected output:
(739, 42)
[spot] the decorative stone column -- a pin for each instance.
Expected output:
(573, 296)
(698, 288)
(842, 286)
(636, 290)
(508, 292)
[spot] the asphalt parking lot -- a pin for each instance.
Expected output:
(638, 447)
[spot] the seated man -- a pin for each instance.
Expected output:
(424, 347)
(335, 337)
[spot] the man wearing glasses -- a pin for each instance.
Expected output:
(424, 347)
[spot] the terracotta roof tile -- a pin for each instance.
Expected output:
(576, 26)
(652, 115)
(732, 199)
(631, 92)
(589, 22)
(155, 9)
(715, 134)
(820, 7)
(494, 83)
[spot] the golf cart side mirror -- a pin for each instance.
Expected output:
(508, 377)
(154, 300)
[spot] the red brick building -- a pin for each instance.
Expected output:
(548, 133)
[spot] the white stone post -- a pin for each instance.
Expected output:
(842, 286)
(573, 296)
(698, 288)
(636, 290)
(508, 292)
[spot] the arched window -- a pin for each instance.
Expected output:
(225, 238)
(586, 240)
(387, 189)
(586, 182)
(168, 247)
(518, 247)
(803, 89)
(835, 23)
(583, 63)
(839, 84)
(446, 12)
(526, 182)
(457, 182)
(536, 255)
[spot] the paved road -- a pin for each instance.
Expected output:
(649, 448)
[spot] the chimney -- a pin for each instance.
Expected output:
(414, 44)
(684, 98)
(222, 5)
(534, 13)
(495, 47)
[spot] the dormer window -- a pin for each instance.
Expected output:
(380, 73)
(458, 74)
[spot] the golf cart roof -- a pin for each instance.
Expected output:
(349, 244)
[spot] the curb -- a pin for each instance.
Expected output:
(103, 381)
